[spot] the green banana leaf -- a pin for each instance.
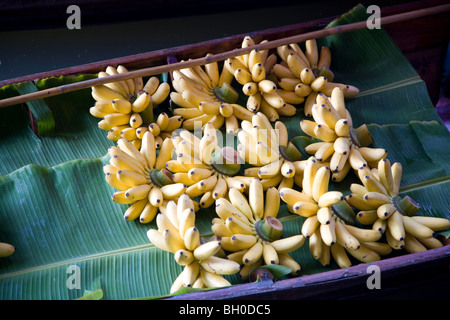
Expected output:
(71, 240)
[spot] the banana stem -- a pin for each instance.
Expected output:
(344, 212)
(269, 229)
(290, 152)
(226, 93)
(226, 161)
(406, 206)
(161, 177)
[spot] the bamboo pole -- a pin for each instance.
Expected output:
(145, 72)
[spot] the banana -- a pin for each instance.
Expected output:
(183, 257)
(119, 197)
(172, 240)
(396, 170)
(241, 203)
(291, 196)
(416, 229)
(141, 102)
(431, 243)
(325, 151)
(412, 245)
(345, 238)
(138, 192)
(329, 198)
(6, 249)
(253, 254)
(396, 226)
(377, 199)
(238, 242)
(434, 223)
(191, 238)
(340, 256)
(287, 261)
(372, 154)
(309, 226)
(363, 235)
(225, 210)
(324, 59)
(131, 178)
(272, 202)
(384, 211)
(190, 273)
(385, 175)
(324, 215)
(206, 250)
(186, 221)
(311, 52)
(328, 232)
(213, 280)
(367, 217)
(256, 198)
(393, 242)
(316, 245)
(295, 64)
(364, 254)
(287, 245)
(155, 237)
(173, 191)
(320, 183)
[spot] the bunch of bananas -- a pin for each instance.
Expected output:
(381, 207)
(205, 95)
(341, 145)
(251, 71)
(178, 234)
(162, 128)
(141, 178)
(329, 223)
(273, 157)
(301, 76)
(6, 249)
(160, 166)
(250, 232)
(203, 166)
(125, 106)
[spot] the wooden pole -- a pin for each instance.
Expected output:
(220, 56)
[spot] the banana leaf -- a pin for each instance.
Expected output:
(71, 240)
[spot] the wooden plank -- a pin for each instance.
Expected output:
(331, 284)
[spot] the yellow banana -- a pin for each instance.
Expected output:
(190, 273)
(320, 183)
(272, 202)
(363, 235)
(328, 232)
(191, 238)
(396, 226)
(183, 257)
(253, 254)
(329, 198)
(206, 250)
(364, 254)
(345, 238)
(156, 238)
(434, 223)
(213, 280)
(309, 226)
(286, 245)
(340, 256)
(6, 249)
(416, 229)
